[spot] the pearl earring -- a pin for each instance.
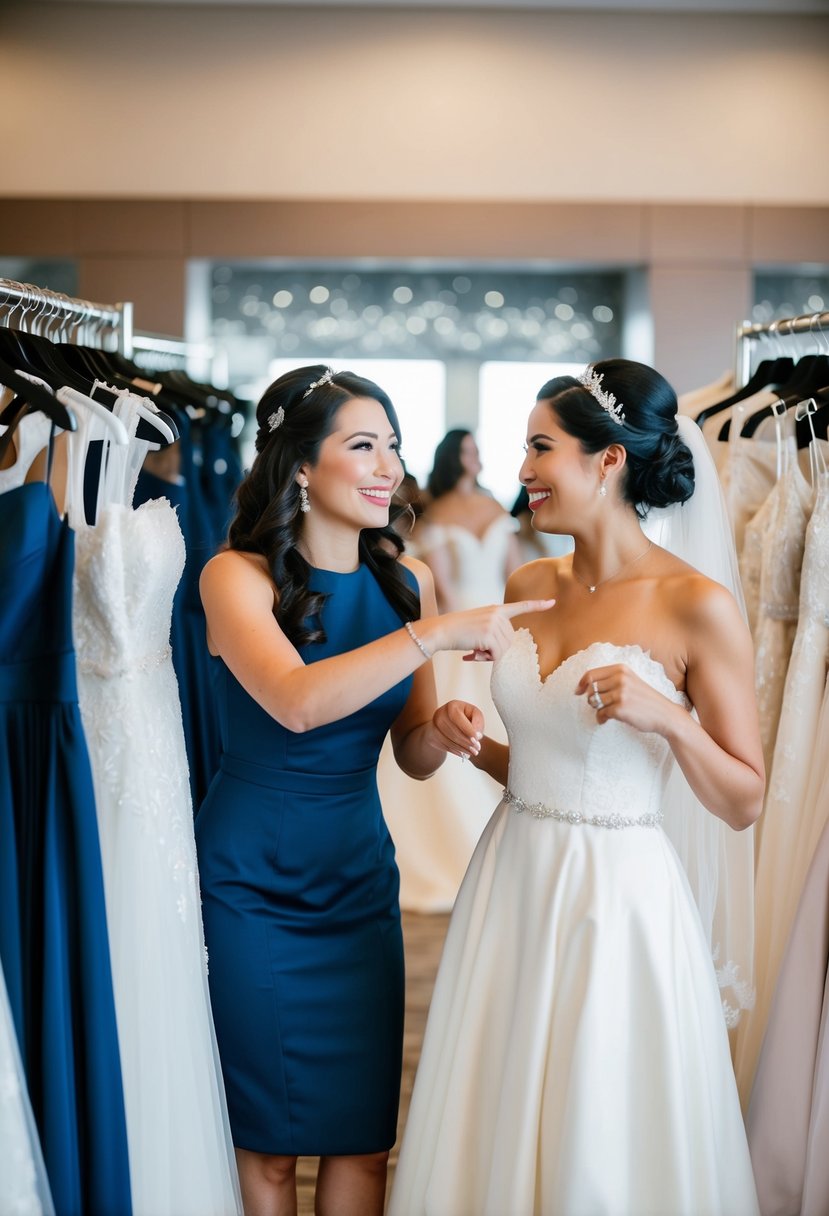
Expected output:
(304, 504)
(603, 490)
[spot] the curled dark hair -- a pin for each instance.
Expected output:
(267, 518)
(447, 468)
(659, 468)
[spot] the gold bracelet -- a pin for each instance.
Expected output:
(416, 640)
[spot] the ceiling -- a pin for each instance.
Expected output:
(770, 7)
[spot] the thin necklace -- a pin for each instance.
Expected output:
(591, 587)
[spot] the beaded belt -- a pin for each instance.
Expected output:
(539, 811)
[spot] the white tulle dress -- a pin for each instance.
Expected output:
(576, 1060)
(127, 568)
(436, 824)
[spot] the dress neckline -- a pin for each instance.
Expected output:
(634, 647)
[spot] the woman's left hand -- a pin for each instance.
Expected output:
(616, 692)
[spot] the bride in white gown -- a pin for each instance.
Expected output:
(576, 1059)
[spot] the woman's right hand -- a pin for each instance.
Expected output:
(486, 633)
(457, 728)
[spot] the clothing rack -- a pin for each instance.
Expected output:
(787, 327)
(22, 304)
(200, 359)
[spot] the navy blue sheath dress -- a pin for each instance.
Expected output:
(301, 914)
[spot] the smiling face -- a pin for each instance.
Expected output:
(561, 479)
(358, 468)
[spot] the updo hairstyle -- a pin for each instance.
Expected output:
(267, 518)
(660, 468)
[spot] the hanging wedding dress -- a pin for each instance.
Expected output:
(436, 824)
(783, 862)
(576, 1060)
(785, 536)
(128, 566)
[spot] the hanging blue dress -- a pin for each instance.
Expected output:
(301, 915)
(53, 930)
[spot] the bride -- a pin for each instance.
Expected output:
(576, 1059)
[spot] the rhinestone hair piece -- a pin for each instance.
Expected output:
(326, 378)
(276, 420)
(593, 383)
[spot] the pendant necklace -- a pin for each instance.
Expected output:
(591, 587)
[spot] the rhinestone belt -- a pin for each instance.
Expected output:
(539, 811)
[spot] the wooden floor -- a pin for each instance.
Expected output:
(423, 937)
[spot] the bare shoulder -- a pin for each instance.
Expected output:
(232, 572)
(706, 611)
(535, 580)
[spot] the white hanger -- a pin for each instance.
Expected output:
(74, 399)
(147, 409)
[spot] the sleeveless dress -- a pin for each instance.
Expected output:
(128, 566)
(576, 1059)
(300, 900)
(436, 824)
(53, 932)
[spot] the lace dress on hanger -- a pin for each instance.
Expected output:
(128, 566)
(783, 861)
(784, 540)
(435, 824)
(576, 1058)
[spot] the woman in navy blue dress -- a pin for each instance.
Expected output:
(309, 612)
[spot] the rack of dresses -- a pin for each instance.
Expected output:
(100, 919)
(770, 437)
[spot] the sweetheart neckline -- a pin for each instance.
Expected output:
(634, 646)
(498, 519)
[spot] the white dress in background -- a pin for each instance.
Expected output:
(435, 824)
(576, 1060)
(127, 569)
(789, 817)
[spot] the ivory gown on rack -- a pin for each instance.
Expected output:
(576, 1059)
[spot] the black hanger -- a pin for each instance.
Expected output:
(35, 397)
(767, 374)
(810, 376)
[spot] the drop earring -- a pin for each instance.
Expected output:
(603, 490)
(304, 504)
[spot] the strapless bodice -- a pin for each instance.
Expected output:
(561, 757)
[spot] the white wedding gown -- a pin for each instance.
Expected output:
(576, 1060)
(127, 569)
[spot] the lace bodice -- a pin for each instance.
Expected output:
(127, 569)
(560, 756)
(785, 540)
(478, 563)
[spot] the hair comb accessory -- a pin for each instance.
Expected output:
(326, 378)
(593, 383)
(276, 420)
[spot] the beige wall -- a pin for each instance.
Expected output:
(271, 102)
(135, 138)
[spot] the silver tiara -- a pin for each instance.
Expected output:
(326, 378)
(275, 420)
(593, 383)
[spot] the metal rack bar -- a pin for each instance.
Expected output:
(786, 327)
(22, 303)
